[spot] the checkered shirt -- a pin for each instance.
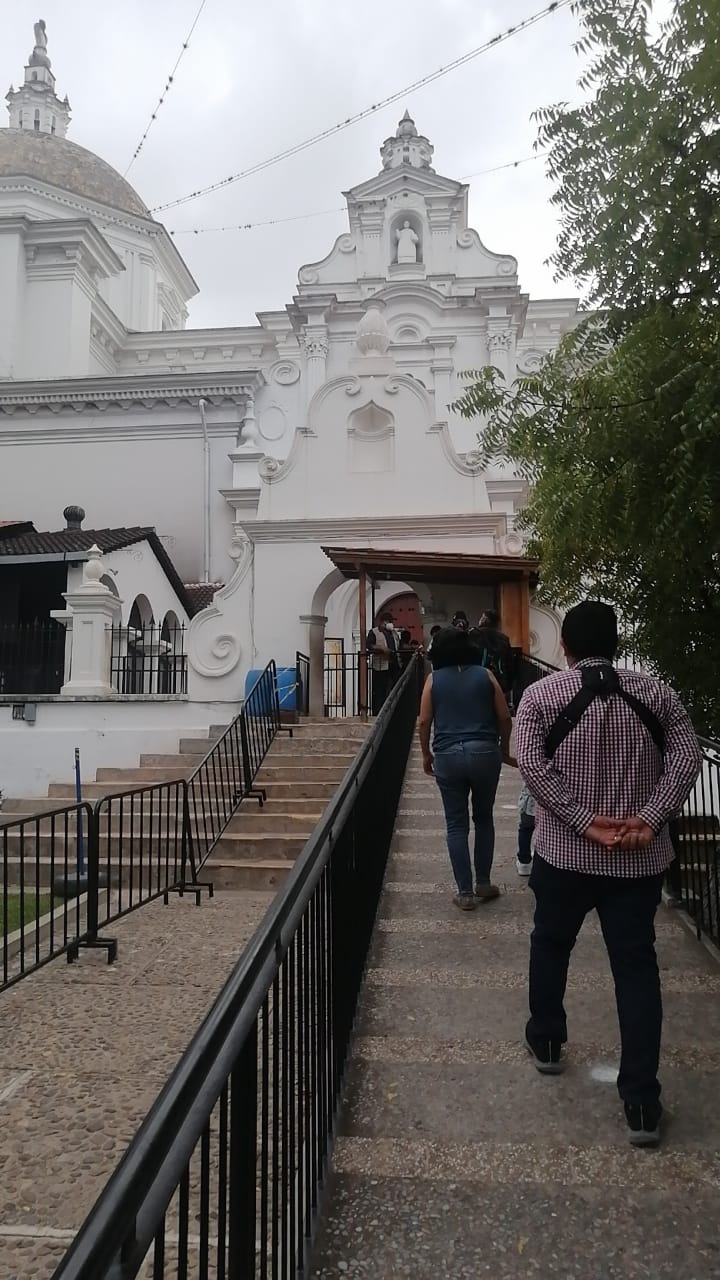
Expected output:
(608, 764)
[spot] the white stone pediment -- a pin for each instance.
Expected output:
(392, 181)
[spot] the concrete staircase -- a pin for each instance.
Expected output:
(260, 844)
(300, 775)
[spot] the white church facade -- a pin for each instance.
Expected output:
(253, 452)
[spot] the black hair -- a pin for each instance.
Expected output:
(590, 630)
(490, 618)
(454, 648)
(436, 629)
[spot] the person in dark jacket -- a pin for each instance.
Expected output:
(495, 647)
(466, 706)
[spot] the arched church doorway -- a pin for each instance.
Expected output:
(405, 609)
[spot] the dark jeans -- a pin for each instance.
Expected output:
(470, 769)
(379, 690)
(626, 908)
(525, 835)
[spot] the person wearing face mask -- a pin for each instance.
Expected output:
(382, 648)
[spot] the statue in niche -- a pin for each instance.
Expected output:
(407, 242)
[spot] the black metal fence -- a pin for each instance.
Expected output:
(68, 873)
(224, 1175)
(302, 683)
(44, 888)
(148, 660)
(227, 774)
(694, 878)
(341, 683)
(32, 657)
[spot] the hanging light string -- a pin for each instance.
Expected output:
(322, 213)
(168, 85)
(554, 7)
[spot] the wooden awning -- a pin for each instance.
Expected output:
(448, 567)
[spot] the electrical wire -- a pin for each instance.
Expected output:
(168, 85)
(526, 23)
(341, 208)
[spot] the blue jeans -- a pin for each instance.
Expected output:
(469, 769)
(525, 835)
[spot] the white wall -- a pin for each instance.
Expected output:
(121, 483)
(110, 734)
(135, 571)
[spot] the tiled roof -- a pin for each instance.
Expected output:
(202, 593)
(66, 541)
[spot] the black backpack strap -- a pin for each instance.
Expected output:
(648, 717)
(601, 681)
(568, 719)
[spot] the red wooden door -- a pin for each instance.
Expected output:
(405, 610)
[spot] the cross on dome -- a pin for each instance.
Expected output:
(407, 147)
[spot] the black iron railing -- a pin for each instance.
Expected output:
(341, 683)
(148, 660)
(32, 657)
(44, 888)
(228, 773)
(224, 1175)
(302, 683)
(86, 867)
(694, 878)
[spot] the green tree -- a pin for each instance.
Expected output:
(619, 430)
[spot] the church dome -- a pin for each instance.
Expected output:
(47, 158)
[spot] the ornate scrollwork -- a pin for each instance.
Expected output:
(284, 372)
(507, 267)
(346, 244)
(308, 275)
(466, 239)
(500, 341)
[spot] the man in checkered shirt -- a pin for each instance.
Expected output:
(604, 799)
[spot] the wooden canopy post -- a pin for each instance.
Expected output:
(363, 657)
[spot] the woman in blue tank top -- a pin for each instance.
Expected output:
(467, 708)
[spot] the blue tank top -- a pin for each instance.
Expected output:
(463, 707)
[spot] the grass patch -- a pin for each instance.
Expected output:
(30, 903)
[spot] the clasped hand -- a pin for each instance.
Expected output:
(619, 833)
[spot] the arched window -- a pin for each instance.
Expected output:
(36, 122)
(34, 75)
(52, 125)
(20, 119)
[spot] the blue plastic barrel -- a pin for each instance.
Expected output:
(261, 702)
(287, 690)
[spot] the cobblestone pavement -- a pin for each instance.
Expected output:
(454, 1157)
(84, 1051)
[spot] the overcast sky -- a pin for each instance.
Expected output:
(258, 78)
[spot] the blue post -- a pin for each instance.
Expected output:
(78, 797)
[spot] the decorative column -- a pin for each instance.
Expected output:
(316, 653)
(94, 611)
(500, 344)
(315, 342)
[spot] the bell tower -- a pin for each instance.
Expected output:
(35, 105)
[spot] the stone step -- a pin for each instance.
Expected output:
(196, 746)
(265, 822)
(240, 874)
(251, 846)
(64, 792)
(140, 777)
(319, 746)
(180, 762)
(305, 790)
(298, 773)
(41, 872)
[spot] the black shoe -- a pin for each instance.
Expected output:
(644, 1124)
(546, 1054)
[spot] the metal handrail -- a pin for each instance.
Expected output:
(121, 1227)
